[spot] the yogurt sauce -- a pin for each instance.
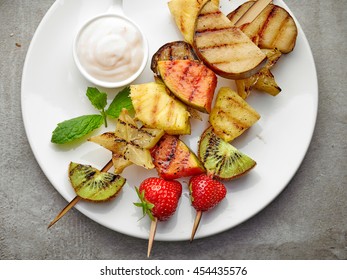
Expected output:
(110, 49)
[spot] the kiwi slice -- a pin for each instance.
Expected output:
(91, 184)
(220, 158)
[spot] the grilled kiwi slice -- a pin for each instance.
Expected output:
(93, 185)
(221, 159)
(177, 50)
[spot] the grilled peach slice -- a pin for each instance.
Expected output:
(190, 81)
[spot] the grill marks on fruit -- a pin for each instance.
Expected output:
(166, 152)
(275, 17)
(173, 159)
(91, 184)
(190, 81)
(221, 159)
(273, 28)
(224, 47)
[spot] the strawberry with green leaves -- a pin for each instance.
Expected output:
(205, 194)
(159, 199)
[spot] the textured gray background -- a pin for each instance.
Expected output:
(307, 221)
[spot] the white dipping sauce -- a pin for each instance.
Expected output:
(110, 49)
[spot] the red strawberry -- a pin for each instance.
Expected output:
(159, 198)
(205, 193)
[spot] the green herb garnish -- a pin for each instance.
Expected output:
(76, 128)
(122, 100)
(99, 101)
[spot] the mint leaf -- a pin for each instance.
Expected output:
(99, 101)
(122, 100)
(75, 128)
(97, 98)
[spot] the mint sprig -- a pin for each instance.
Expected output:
(78, 127)
(75, 128)
(122, 100)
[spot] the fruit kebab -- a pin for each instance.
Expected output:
(129, 145)
(159, 200)
(222, 161)
(205, 194)
(84, 179)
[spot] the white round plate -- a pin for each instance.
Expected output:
(53, 90)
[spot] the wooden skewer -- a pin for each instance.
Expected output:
(196, 224)
(152, 231)
(76, 199)
(253, 12)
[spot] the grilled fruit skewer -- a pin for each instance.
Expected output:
(159, 200)
(77, 198)
(205, 194)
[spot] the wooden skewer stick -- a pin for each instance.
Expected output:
(253, 12)
(76, 199)
(196, 224)
(152, 231)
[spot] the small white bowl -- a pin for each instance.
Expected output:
(115, 13)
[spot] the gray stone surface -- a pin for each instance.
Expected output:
(308, 220)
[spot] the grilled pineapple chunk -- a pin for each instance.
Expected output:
(231, 115)
(185, 13)
(223, 47)
(155, 108)
(273, 28)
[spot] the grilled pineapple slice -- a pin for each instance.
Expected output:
(185, 13)
(231, 115)
(223, 47)
(155, 108)
(129, 144)
(273, 28)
